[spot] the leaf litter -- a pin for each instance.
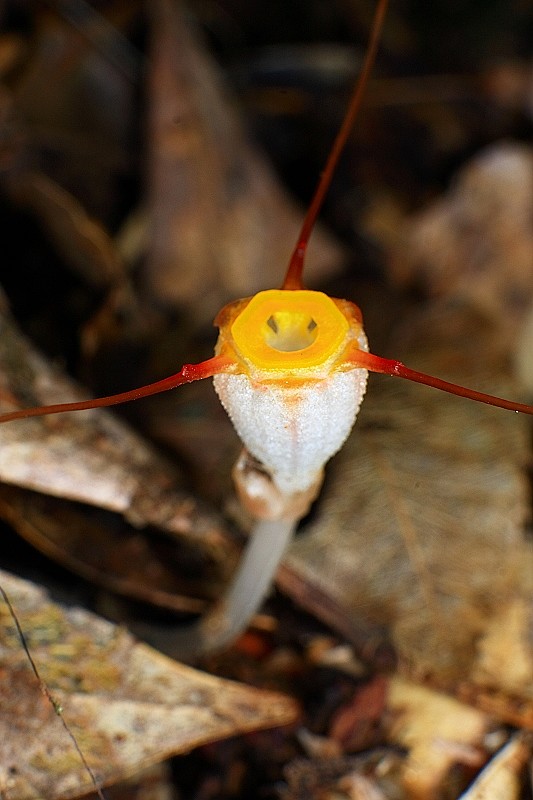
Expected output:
(421, 527)
(415, 455)
(124, 512)
(126, 705)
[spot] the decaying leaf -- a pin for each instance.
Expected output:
(96, 460)
(146, 565)
(221, 227)
(126, 705)
(421, 526)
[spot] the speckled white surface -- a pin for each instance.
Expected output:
(293, 431)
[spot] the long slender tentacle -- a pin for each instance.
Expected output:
(396, 369)
(187, 374)
(293, 277)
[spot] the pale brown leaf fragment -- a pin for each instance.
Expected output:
(476, 242)
(505, 654)
(221, 226)
(89, 456)
(127, 705)
(438, 732)
(501, 778)
(92, 458)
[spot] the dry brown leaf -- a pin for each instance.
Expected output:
(96, 460)
(221, 226)
(92, 458)
(421, 526)
(126, 705)
(438, 732)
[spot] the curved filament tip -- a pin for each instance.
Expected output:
(293, 278)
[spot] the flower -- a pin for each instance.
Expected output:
(294, 393)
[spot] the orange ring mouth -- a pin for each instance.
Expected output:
(287, 330)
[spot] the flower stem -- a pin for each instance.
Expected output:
(232, 613)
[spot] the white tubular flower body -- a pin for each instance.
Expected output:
(297, 393)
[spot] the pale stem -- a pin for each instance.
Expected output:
(232, 613)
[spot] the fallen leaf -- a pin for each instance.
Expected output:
(126, 705)
(206, 177)
(356, 724)
(94, 460)
(145, 565)
(421, 526)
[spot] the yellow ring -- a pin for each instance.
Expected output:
(287, 330)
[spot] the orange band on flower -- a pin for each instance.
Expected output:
(287, 330)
